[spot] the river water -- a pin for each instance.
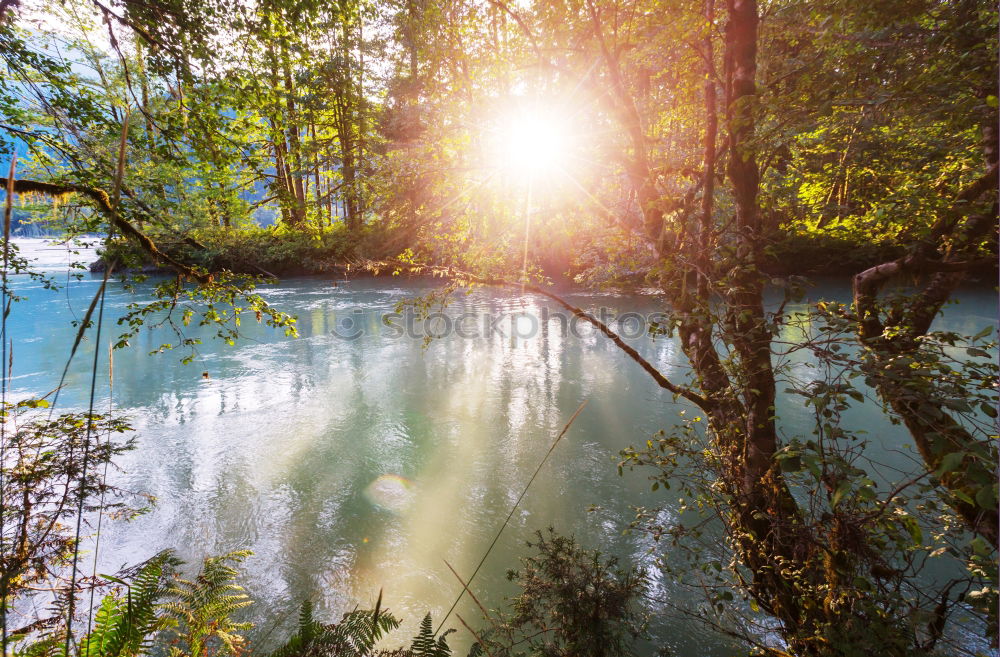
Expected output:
(357, 458)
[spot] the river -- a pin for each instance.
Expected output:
(357, 458)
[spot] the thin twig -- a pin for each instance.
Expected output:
(510, 515)
(486, 614)
(461, 276)
(474, 635)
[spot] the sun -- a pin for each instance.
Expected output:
(533, 143)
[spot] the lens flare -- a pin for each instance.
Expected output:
(390, 492)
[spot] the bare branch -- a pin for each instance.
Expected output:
(461, 276)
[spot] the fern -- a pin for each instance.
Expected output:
(424, 644)
(311, 638)
(202, 610)
(51, 645)
(124, 622)
(309, 629)
(359, 631)
(354, 636)
(123, 626)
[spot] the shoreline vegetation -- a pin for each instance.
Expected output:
(278, 254)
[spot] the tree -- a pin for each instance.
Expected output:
(808, 552)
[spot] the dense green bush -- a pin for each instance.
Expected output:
(278, 251)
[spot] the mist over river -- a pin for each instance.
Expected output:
(356, 458)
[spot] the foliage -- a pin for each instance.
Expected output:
(122, 624)
(269, 251)
(425, 644)
(571, 602)
(125, 623)
(357, 634)
(308, 639)
(878, 532)
(151, 608)
(201, 611)
(43, 483)
(220, 304)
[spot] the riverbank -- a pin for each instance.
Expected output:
(269, 251)
(281, 253)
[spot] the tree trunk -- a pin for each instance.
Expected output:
(295, 175)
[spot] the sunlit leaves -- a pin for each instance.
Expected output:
(218, 305)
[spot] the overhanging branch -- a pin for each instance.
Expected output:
(462, 276)
(103, 201)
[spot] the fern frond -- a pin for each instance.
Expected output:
(424, 644)
(126, 620)
(202, 609)
(360, 630)
(311, 638)
(51, 645)
(354, 636)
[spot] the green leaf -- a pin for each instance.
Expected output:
(950, 463)
(980, 546)
(986, 497)
(842, 489)
(962, 495)
(790, 463)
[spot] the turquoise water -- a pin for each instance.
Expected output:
(353, 465)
